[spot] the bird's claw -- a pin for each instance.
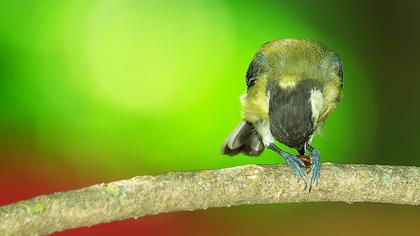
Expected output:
(315, 166)
(295, 164)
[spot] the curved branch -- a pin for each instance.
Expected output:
(188, 191)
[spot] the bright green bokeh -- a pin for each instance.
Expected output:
(149, 86)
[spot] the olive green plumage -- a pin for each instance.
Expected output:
(285, 65)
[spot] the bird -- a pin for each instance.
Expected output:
(293, 85)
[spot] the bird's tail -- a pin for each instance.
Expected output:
(243, 139)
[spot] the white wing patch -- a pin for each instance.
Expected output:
(317, 104)
(263, 129)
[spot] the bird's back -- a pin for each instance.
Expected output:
(296, 57)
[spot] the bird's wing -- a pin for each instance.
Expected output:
(254, 101)
(257, 66)
(239, 136)
(243, 139)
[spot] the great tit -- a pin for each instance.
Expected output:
(293, 85)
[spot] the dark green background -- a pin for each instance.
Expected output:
(94, 91)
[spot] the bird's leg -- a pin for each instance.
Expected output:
(316, 164)
(301, 150)
(291, 160)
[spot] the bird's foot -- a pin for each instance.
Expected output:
(315, 166)
(292, 161)
(296, 165)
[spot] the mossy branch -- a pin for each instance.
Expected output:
(188, 191)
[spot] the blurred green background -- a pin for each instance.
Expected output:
(94, 91)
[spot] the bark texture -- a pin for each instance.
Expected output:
(188, 191)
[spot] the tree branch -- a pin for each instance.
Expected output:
(188, 191)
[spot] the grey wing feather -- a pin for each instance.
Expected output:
(243, 139)
(239, 135)
(254, 146)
